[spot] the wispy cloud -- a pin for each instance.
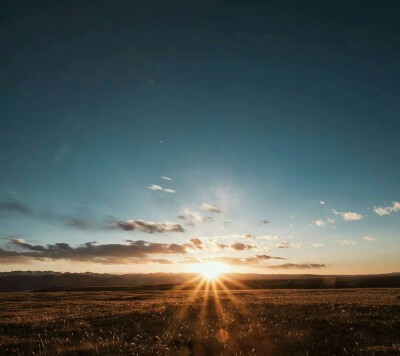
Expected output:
(370, 239)
(242, 236)
(288, 245)
(317, 245)
(386, 210)
(348, 216)
(15, 207)
(298, 266)
(155, 187)
(148, 226)
(319, 223)
(208, 207)
(159, 187)
(195, 215)
(226, 224)
(331, 221)
(322, 202)
(71, 221)
(254, 261)
(211, 245)
(346, 242)
(166, 178)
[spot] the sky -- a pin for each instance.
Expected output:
(148, 136)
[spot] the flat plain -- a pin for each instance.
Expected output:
(215, 322)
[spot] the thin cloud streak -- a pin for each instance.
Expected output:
(160, 188)
(208, 207)
(148, 226)
(298, 266)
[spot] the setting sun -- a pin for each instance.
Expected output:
(210, 270)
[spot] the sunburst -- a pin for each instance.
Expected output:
(210, 270)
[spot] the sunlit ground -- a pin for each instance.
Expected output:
(179, 322)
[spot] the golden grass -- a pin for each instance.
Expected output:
(201, 322)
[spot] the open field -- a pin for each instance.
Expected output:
(184, 322)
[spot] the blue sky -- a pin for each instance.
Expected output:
(260, 110)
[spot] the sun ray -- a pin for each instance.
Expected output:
(232, 298)
(217, 301)
(205, 298)
(192, 295)
(188, 283)
(238, 284)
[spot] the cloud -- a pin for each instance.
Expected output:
(369, 238)
(255, 261)
(322, 202)
(148, 226)
(68, 221)
(166, 178)
(388, 209)
(208, 207)
(265, 222)
(85, 225)
(80, 224)
(331, 221)
(319, 223)
(195, 215)
(288, 245)
(155, 187)
(298, 266)
(15, 207)
(159, 187)
(211, 245)
(222, 246)
(27, 245)
(269, 237)
(348, 216)
(197, 242)
(132, 252)
(317, 245)
(346, 242)
(226, 224)
(237, 246)
(12, 257)
(159, 260)
(243, 236)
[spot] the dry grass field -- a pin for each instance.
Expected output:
(182, 322)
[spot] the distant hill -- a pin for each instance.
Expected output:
(19, 281)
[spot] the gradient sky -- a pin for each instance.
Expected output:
(283, 115)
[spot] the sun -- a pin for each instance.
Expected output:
(210, 270)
